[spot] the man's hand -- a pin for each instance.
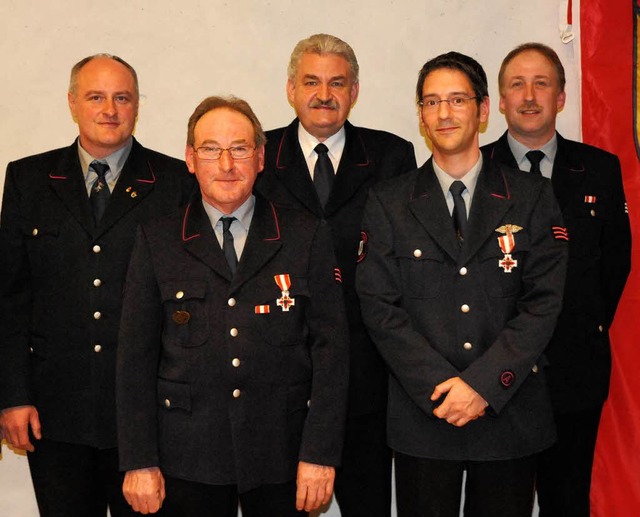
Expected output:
(315, 486)
(144, 489)
(14, 426)
(462, 403)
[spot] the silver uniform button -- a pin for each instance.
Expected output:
(463, 271)
(467, 346)
(600, 328)
(465, 308)
(233, 332)
(97, 248)
(34, 232)
(236, 393)
(97, 282)
(535, 368)
(167, 403)
(417, 253)
(97, 349)
(97, 315)
(180, 295)
(231, 302)
(309, 403)
(235, 362)
(593, 213)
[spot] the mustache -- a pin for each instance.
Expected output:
(529, 106)
(329, 103)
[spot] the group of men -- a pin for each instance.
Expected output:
(181, 347)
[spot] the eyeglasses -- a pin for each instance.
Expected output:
(456, 102)
(237, 152)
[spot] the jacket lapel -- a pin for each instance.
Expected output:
(263, 242)
(67, 181)
(199, 239)
(137, 180)
(491, 201)
(291, 169)
(568, 173)
(429, 207)
(353, 170)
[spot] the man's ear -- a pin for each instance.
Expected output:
(189, 157)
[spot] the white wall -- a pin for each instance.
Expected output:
(188, 49)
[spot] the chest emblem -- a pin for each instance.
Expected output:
(285, 301)
(507, 243)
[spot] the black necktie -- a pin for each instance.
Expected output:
(535, 157)
(323, 174)
(459, 213)
(100, 194)
(227, 244)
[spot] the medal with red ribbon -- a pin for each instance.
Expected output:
(507, 242)
(284, 283)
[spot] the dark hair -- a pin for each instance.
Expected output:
(456, 61)
(545, 50)
(231, 103)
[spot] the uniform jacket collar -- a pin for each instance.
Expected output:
(291, 168)
(136, 182)
(263, 240)
(491, 201)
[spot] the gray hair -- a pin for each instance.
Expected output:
(323, 44)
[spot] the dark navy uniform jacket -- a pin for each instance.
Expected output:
(369, 156)
(217, 383)
(587, 183)
(437, 310)
(62, 280)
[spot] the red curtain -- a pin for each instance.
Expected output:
(609, 114)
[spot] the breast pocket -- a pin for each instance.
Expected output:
(185, 313)
(421, 268)
(585, 223)
(43, 247)
(502, 272)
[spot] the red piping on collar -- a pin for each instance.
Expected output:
(184, 223)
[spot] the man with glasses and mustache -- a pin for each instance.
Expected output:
(233, 360)
(460, 287)
(324, 165)
(588, 185)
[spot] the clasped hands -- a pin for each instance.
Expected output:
(462, 403)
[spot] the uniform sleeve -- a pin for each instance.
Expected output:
(139, 346)
(15, 299)
(615, 247)
(502, 369)
(411, 358)
(323, 432)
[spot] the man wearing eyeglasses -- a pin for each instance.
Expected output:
(68, 221)
(588, 185)
(324, 165)
(233, 361)
(460, 288)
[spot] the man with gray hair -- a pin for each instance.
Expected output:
(68, 223)
(322, 164)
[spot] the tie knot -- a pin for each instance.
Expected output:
(321, 149)
(457, 188)
(535, 157)
(100, 168)
(226, 223)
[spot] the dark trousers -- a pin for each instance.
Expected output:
(433, 488)
(191, 499)
(77, 480)
(363, 482)
(564, 471)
